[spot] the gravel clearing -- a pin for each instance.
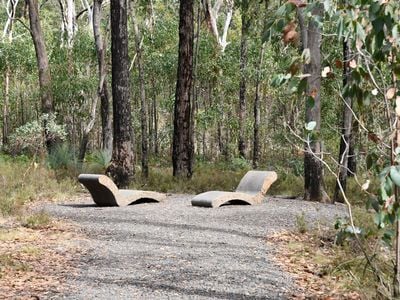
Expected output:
(172, 250)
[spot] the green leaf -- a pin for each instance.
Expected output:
(388, 237)
(310, 126)
(395, 175)
(388, 186)
(281, 11)
(378, 219)
(360, 32)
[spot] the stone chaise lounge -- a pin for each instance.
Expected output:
(105, 193)
(251, 190)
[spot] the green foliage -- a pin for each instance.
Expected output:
(301, 223)
(29, 139)
(38, 220)
(97, 161)
(62, 159)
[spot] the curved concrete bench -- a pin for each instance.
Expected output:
(105, 193)
(251, 190)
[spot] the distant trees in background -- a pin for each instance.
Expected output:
(213, 80)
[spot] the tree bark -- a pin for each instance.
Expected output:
(46, 94)
(5, 106)
(121, 168)
(347, 122)
(106, 120)
(352, 159)
(143, 103)
(256, 110)
(155, 120)
(242, 88)
(182, 153)
(313, 170)
(8, 35)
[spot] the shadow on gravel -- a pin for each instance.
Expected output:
(112, 221)
(183, 291)
(80, 205)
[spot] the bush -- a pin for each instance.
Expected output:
(29, 139)
(97, 162)
(62, 159)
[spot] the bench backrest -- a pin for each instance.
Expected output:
(102, 188)
(255, 182)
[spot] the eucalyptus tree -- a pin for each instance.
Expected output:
(182, 151)
(105, 109)
(347, 126)
(122, 165)
(45, 81)
(7, 37)
(142, 92)
(246, 19)
(313, 168)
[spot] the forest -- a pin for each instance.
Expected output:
(187, 96)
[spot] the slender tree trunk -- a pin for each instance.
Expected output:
(313, 170)
(155, 119)
(143, 104)
(257, 119)
(194, 82)
(106, 120)
(122, 165)
(5, 106)
(352, 159)
(182, 154)
(242, 88)
(46, 94)
(8, 35)
(347, 122)
(86, 130)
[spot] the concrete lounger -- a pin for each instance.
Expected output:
(251, 190)
(105, 193)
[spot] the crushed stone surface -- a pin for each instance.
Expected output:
(172, 250)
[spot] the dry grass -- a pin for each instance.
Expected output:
(34, 263)
(324, 270)
(23, 181)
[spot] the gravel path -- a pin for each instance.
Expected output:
(172, 250)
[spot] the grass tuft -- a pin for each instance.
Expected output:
(39, 220)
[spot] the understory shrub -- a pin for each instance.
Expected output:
(29, 138)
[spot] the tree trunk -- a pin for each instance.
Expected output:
(347, 122)
(86, 130)
(242, 88)
(256, 137)
(143, 104)
(155, 119)
(46, 94)
(5, 106)
(11, 8)
(182, 153)
(121, 168)
(106, 121)
(352, 159)
(313, 170)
